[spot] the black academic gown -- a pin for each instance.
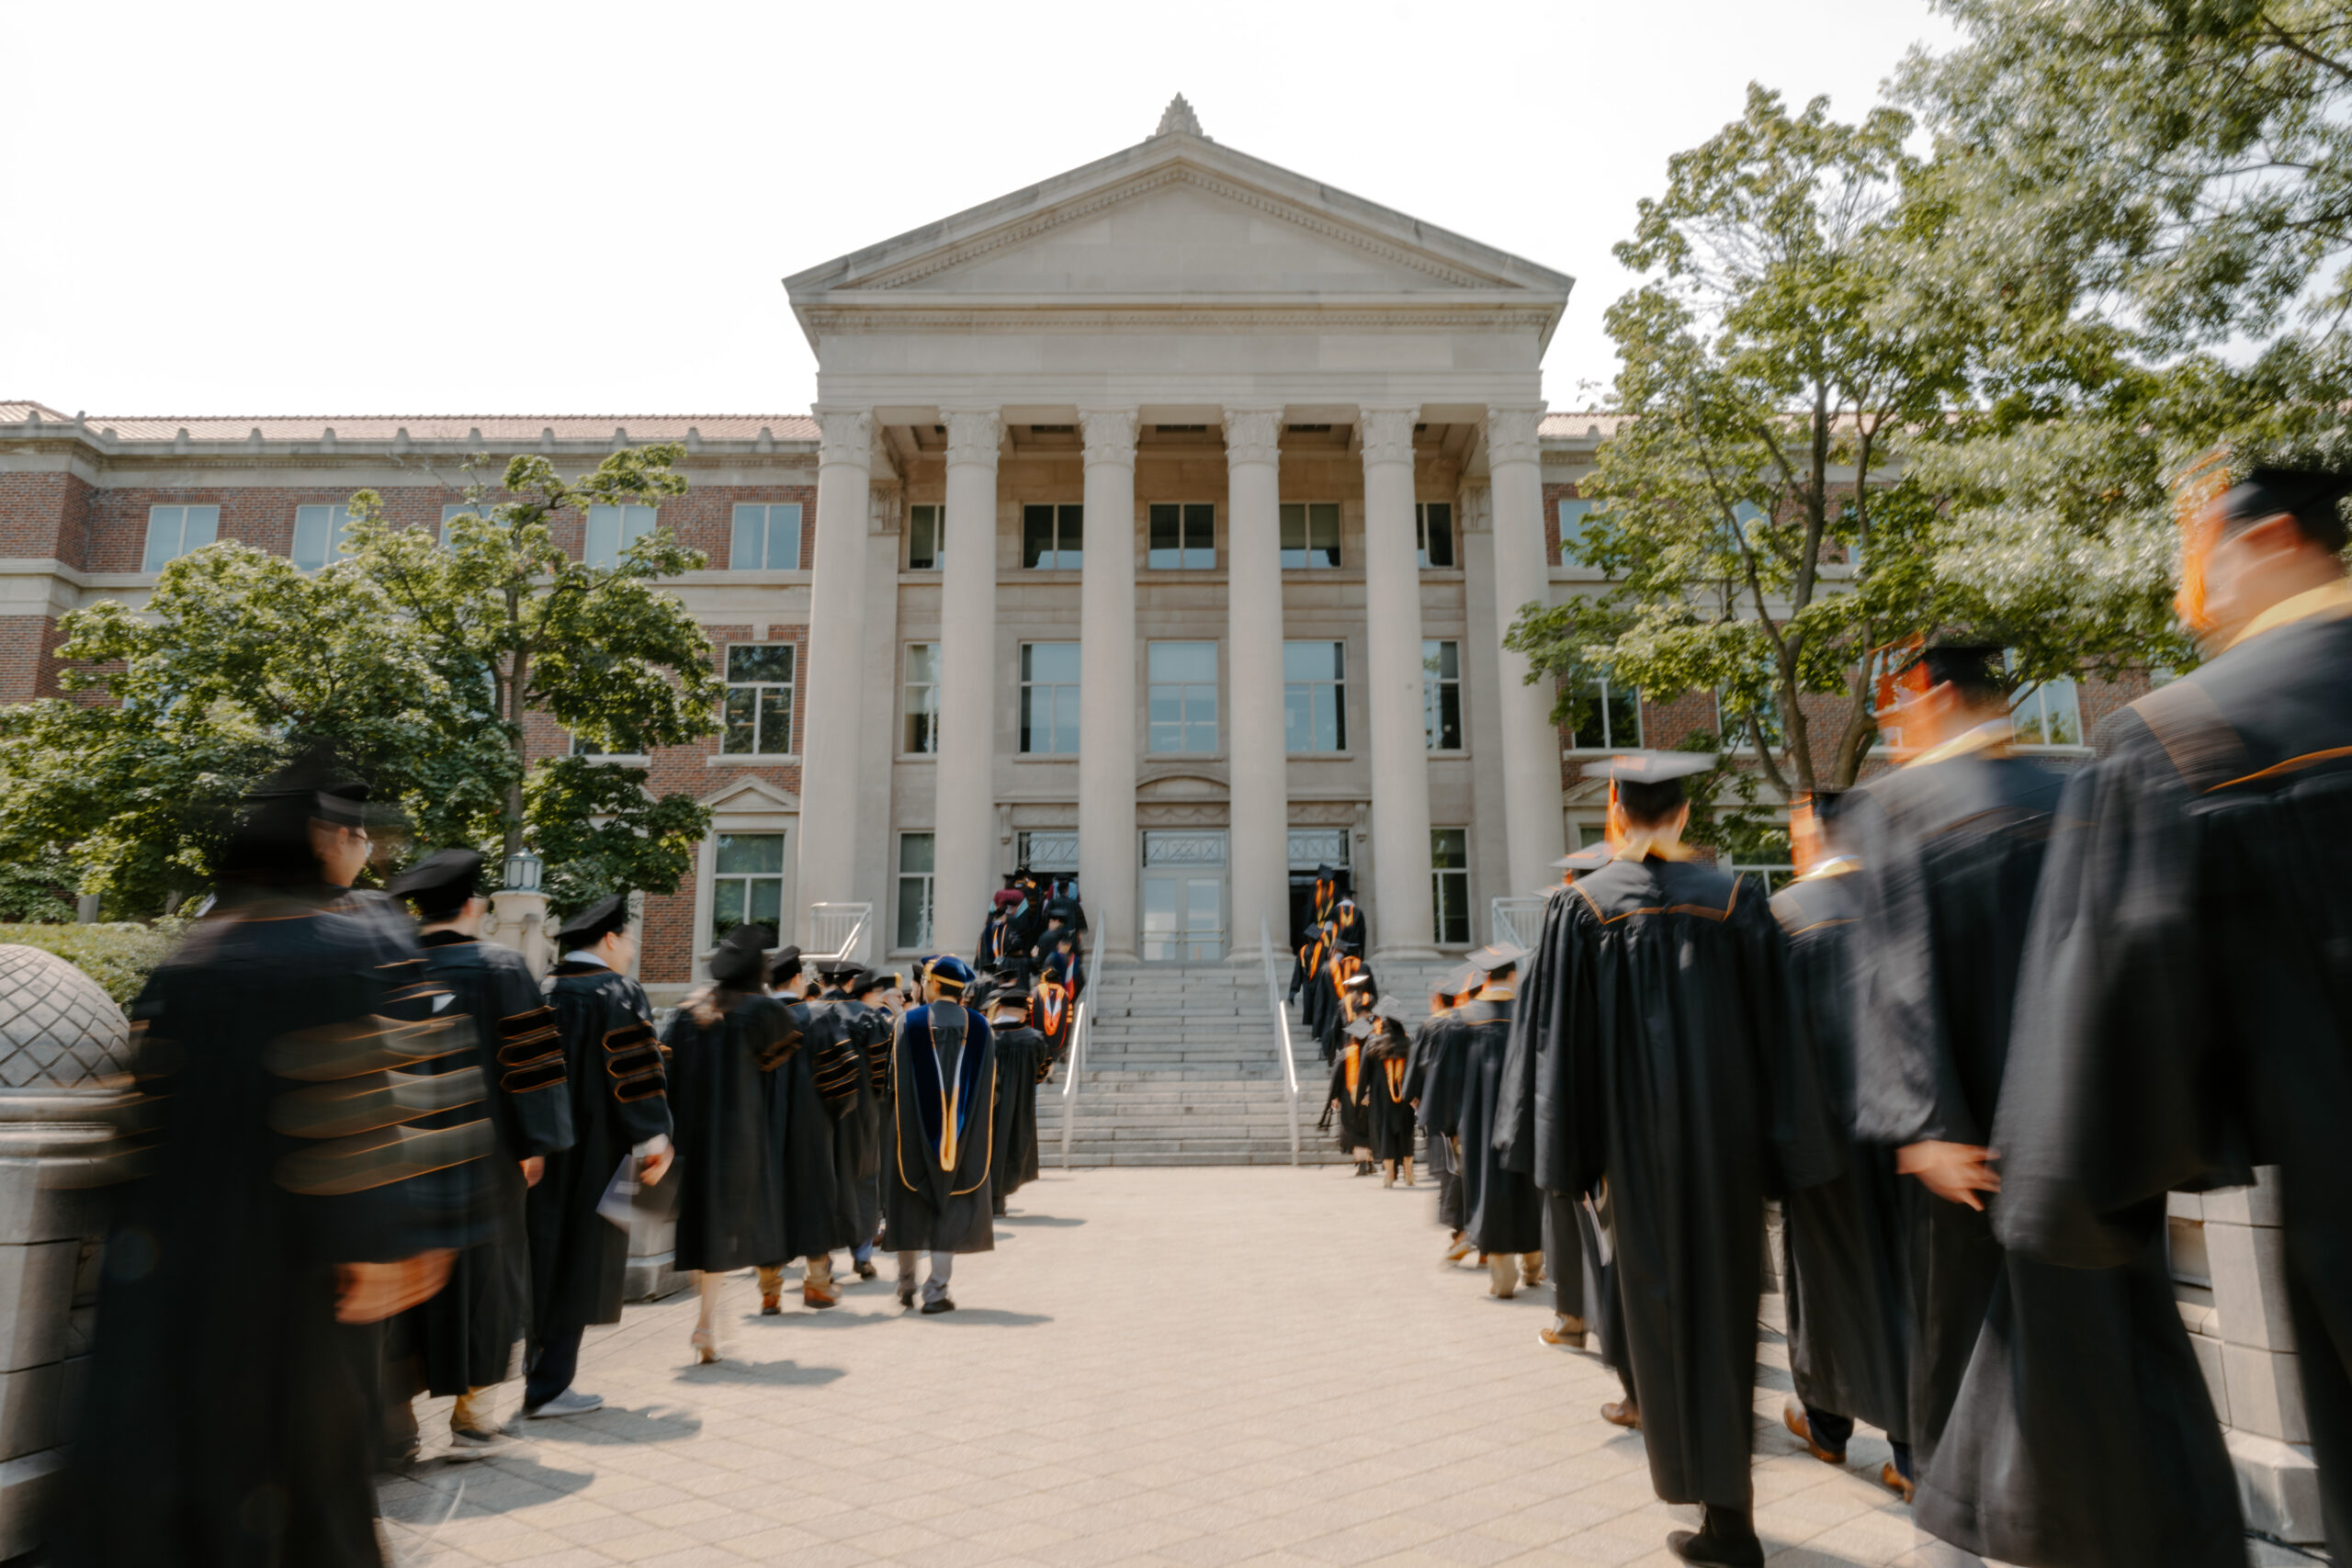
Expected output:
(1344, 1098)
(723, 1047)
(1431, 1044)
(229, 1420)
(2187, 1007)
(2057, 1415)
(936, 1182)
(1502, 1210)
(1023, 1058)
(465, 1337)
(1388, 1093)
(1848, 1319)
(1651, 1052)
(619, 1098)
(811, 1109)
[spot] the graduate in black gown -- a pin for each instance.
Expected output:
(1343, 1112)
(1453, 989)
(879, 999)
(723, 1042)
(1388, 1113)
(465, 1337)
(260, 1242)
(2187, 1007)
(812, 1106)
(1848, 1318)
(1353, 989)
(2057, 1415)
(1024, 1058)
(620, 1112)
(1502, 1210)
(935, 1181)
(1654, 1063)
(1565, 1218)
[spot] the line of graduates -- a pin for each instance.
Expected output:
(1999, 1015)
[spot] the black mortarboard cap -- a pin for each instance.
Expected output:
(606, 914)
(1497, 955)
(1453, 982)
(2308, 495)
(441, 882)
(1650, 767)
(837, 969)
(784, 967)
(739, 956)
(1359, 1028)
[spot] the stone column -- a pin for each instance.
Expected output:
(1402, 918)
(965, 813)
(1107, 846)
(833, 694)
(1259, 852)
(1530, 742)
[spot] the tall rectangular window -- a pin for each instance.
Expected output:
(914, 890)
(759, 699)
(747, 883)
(926, 537)
(1604, 717)
(1184, 696)
(1441, 695)
(1315, 697)
(173, 531)
(921, 720)
(1311, 533)
(1450, 883)
(1052, 537)
(613, 529)
(766, 539)
(1574, 514)
(1183, 537)
(1433, 532)
(317, 535)
(1050, 698)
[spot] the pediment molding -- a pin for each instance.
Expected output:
(751, 794)
(1049, 315)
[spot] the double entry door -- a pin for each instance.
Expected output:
(1183, 895)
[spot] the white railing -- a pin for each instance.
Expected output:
(1074, 1062)
(841, 931)
(1516, 921)
(1281, 1029)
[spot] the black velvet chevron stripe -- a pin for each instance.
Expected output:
(633, 1057)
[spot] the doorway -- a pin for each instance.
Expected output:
(1183, 897)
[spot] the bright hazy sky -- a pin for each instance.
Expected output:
(537, 208)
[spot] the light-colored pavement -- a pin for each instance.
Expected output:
(1191, 1367)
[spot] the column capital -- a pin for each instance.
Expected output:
(1387, 434)
(844, 435)
(1511, 434)
(1252, 436)
(1109, 435)
(974, 436)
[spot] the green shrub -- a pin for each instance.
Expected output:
(116, 955)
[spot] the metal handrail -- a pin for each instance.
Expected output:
(856, 931)
(1282, 1029)
(1070, 1084)
(1516, 920)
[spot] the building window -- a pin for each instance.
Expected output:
(1050, 850)
(1052, 537)
(1604, 717)
(613, 529)
(173, 531)
(914, 890)
(1450, 883)
(1311, 533)
(759, 699)
(1183, 537)
(1050, 698)
(2047, 713)
(768, 538)
(1441, 695)
(1574, 515)
(921, 733)
(747, 883)
(1433, 532)
(1184, 696)
(926, 537)
(317, 535)
(1315, 697)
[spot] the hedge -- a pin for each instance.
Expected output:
(116, 955)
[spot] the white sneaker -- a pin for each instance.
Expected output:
(571, 1402)
(465, 1445)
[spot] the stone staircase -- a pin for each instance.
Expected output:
(1184, 1066)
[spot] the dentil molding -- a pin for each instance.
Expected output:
(1388, 435)
(1254, 436)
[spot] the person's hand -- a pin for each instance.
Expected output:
(370, 1293)
(653, 1167)
(1954, 1172)
(533, 1168)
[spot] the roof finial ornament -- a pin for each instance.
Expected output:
(1179, 118)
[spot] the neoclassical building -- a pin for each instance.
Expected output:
(1156, 523)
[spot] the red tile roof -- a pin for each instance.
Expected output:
(428, 427)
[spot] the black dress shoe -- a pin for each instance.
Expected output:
(1725, 1539)
(946, 1304)
(865, 1270)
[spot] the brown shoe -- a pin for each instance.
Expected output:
(771, 1304)
(1792, 1417)
(1460, 1247)
(1622, 1413)
(1562, 1330)
(821, 1296)
(1891, 1479)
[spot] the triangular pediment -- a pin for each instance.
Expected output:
(751, 794)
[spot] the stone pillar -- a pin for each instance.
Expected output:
(1530, 742)
(519, 920)
(1402, 918)
(1259, 848)
(1107, 846)
(966, 812)
(833, 694)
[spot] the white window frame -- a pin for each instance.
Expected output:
(908, 688)
(629, 522)
(335, 520)
(758, 686)
(924, 884)
(763, 516)
(176, 519)
(1184, 547)
(707, 934)
(1611, 741)
(1068, 520)
(1434, 685)
(1187, 693)
(1053, 702)
(1421, 536)
(1306, 514)
(1440, 876)
(1337, 687)
(931, 516)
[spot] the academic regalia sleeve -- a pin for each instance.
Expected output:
(635, 1064)
(1803, 1149)
(528, 1058)
(1441, 1084)
(1566, 1132)
(2114, 1091)
(1515, 1099)
(1907, 1087)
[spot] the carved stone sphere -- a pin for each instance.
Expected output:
(57, 1028)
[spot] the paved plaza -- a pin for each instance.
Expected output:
(1190, 1367)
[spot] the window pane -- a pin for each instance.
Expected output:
(914, 852)
(1049, 660)
(1072, 550)
(1439, 548)
(310, 526)
(1200, 536)
(636, 522)
(749, 552)
(1200, 719)
(1293, 532)
(742, 708)
(1310, 660)
(1183, 661)
(759, 662)
(775, 718)
(1323, 534)
(1333, 720)
(1443, 659)
(784, 537)
(1166, 547)
(1573, 514)
(1624, 710)
(766, 903)
(1450, 847)
(164, 524)
(923, 661)
(1064, 718)
(922, 538)
(741, 852)
(603, 542)
(1446, 719)
(1298, 719)
(1037, 536)
(1167, 727)
(725, 907)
